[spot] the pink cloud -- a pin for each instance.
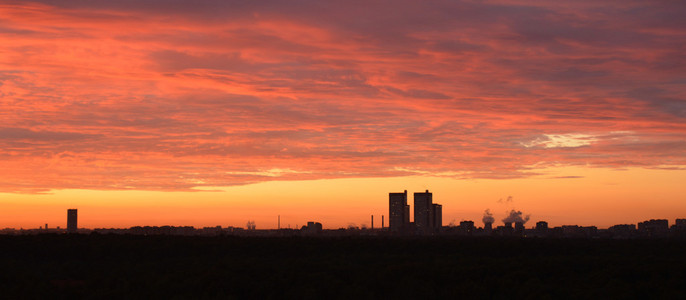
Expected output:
(170, 96)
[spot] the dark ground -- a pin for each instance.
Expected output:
(126, 267)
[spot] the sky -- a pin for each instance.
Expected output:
(212, 113)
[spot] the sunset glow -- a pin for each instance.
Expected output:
(210, 113)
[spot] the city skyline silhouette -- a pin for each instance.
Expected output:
(427, 221)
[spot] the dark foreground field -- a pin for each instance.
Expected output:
(104, 266)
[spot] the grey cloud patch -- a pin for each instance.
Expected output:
(172, 61)
(15, 31)
(567, 177)
(417, 93)
(457, 46)
(27, 134)
(659, 98)
(573, 74)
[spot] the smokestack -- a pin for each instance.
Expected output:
(488, 217)
(382, 222)
(372, 221)
(279, 223)
(519, 228)
(488, 220)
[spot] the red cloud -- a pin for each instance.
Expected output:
(148, 95)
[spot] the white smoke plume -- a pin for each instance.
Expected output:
(515, 216)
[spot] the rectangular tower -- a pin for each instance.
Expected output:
(437, 217)
(398, 212)
(72, 216)
(423, 212)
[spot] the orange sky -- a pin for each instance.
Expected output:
(602, 197)
(125, 108)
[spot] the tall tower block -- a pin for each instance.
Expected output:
(398, 212)
(72, 220)
(424, 212)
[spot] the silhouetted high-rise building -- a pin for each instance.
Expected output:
(398, 212)
(423, 212)
(72, 220)
(437, 217)
(428, 216)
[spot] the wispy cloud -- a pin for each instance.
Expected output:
(568, 140)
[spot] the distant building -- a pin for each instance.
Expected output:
(428, 216)
(576, 231)
(541, 230)
(437, 217)
(654, 224)
(542, 226)
(312, 228)
(250, 225)
(72, 220)
(680, 223)
(654, 228)
(398, 212)
(679, 228)
(622, 231)
(424, 213)
(466, 227)
(505, 230)
(590, 231)
(206, 231)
